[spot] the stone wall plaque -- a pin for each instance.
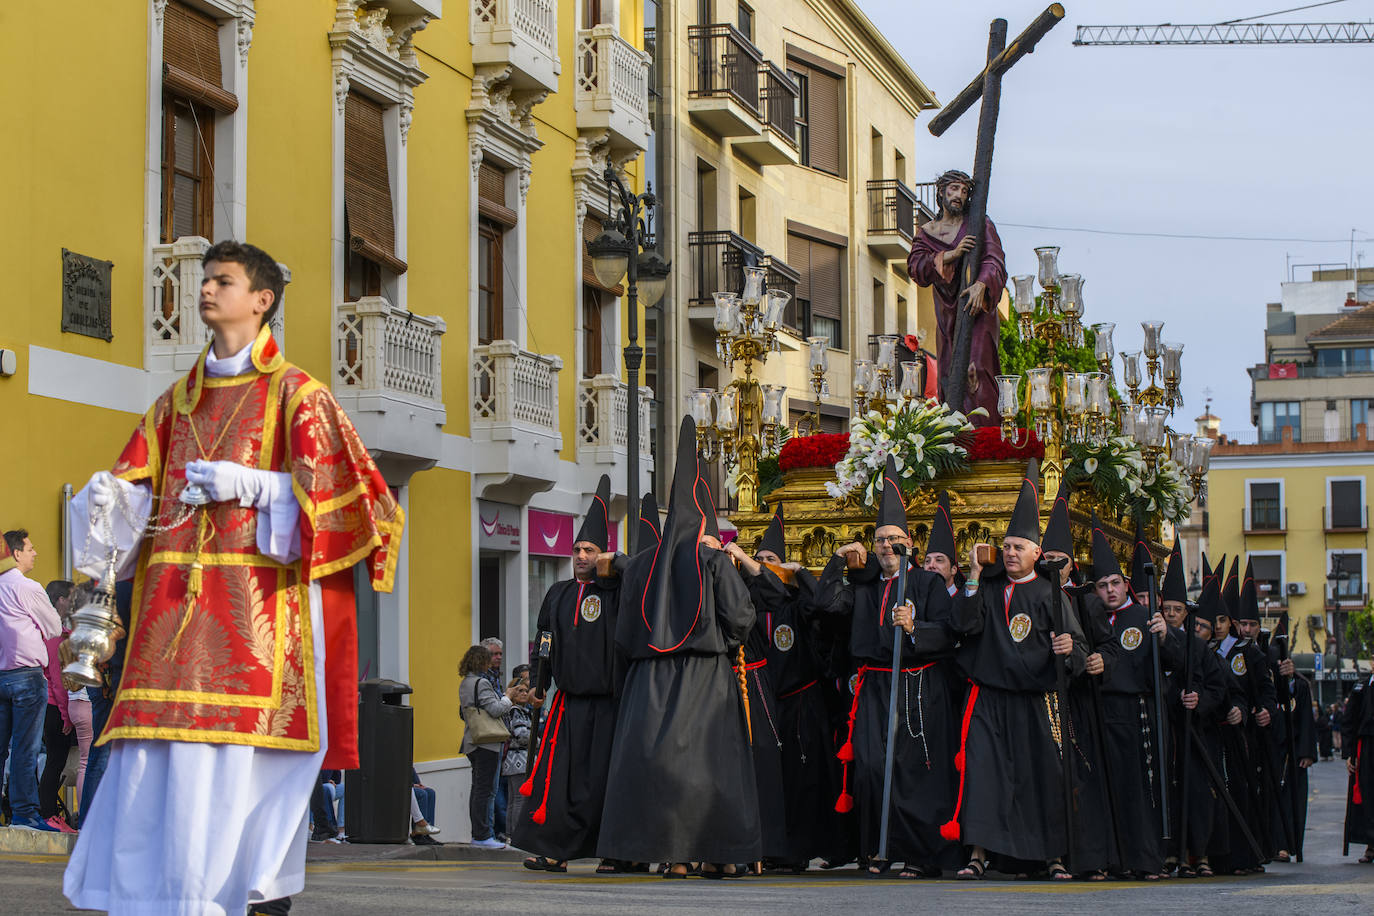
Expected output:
(86, 295)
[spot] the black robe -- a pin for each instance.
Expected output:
(1195, 796)
(1011, 798)
(765, 719)
(568, 780)
(1094, 830)
(1288, 809)
(810, 772)
(1132, 741)
(1357, 743)
(680, 764)
(1246, 749)
(924, 779)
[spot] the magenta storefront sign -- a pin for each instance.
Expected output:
(551, 534)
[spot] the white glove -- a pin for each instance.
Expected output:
(95, 520)
(225, 480)
(102, 488)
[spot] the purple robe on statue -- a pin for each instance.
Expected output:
(921, 265)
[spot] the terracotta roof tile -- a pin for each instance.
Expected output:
(1357, 324)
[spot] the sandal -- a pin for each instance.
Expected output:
(1368, 855)
(1283, 856)
(1097, 875)
(670, 869)
(544, 863)
(877, 867)
(1204, 870)
(973, 871)
(1185, 871)
(1146, 876)
(1057, 871)
(608, 867)
(918, 871)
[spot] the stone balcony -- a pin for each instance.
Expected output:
(613, 87)
(174, 335)
(776, 142)
(388, 376)
(515, 433)
(520, 34)
(892, 210)
(603, 428)
(724, 93)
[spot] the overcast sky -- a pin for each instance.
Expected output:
(1272, 142)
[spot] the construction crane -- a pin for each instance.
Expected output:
(1228, 33)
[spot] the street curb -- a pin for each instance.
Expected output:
(35, 842)
(374, 852)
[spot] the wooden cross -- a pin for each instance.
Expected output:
(988, 86)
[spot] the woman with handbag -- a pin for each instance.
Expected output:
(484, 737)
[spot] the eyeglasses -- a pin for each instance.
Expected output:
(891, 539)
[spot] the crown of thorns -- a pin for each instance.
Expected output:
(952, 176)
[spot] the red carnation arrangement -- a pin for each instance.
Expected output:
(823, 450)
(987, 445)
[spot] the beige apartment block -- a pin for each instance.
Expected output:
(786, 140)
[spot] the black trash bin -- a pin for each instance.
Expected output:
(377, 802)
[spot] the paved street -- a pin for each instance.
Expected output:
(1324, 883)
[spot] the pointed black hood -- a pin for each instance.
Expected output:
(891, 508)
(649, 533)
(1140, 557)
(1248, 606)
(1206, 570)
(1058, 535)
(1105, 562)
(941, 538)
(774, 538)
(1025, 517)
(596, 525)
(671, 602)
(1209, 602)
(1230, 590)
(1175, 587)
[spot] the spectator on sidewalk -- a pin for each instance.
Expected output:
(27, 618)
(513, 768)
(498, 795)
(326, 808)
(424, 805)
(59, 735)
(102, 700)
(477, 690)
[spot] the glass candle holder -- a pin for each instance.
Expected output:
(754, 278)
(1040, 388)
(699, 406)
(887, 351)
(1173, 362)
(1023, 300)
(1128, 419)
(1154, 426)
(772, 403)
(1102, 341)
(1048, 270)
(1130, 368)
(1008, 399)
(1075, 393)
(819, 353)
(863, 375)
(1201, 457)
(1070, 289)
(1182, 452)
(727, 312)
(912, 378)
(727, 409)
(1099, 399)
(774, 306)
(1152, 330)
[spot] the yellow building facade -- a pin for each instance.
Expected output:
(1299, 512)
(425, 172)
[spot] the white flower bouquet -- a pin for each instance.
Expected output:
(924, 438)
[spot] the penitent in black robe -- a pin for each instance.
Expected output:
(562, 818)
(924, 780)
(1195, 795)
(765, 721)
(1094, 808)
(1011, 799)
(1288, 809)
(1132, 745)
(1246, 747)
(681, 766)
(1357, 744)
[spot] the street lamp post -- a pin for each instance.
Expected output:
(625, 250)
(1337, 575)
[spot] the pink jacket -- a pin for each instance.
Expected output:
(57, 694)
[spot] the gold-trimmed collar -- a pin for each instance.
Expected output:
(266, 358)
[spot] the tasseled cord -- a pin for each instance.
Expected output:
(194, 582)
(742, 675)
(950, 828)
(845, 803)
(527, 787)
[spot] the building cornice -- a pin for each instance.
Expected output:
(873, 49)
